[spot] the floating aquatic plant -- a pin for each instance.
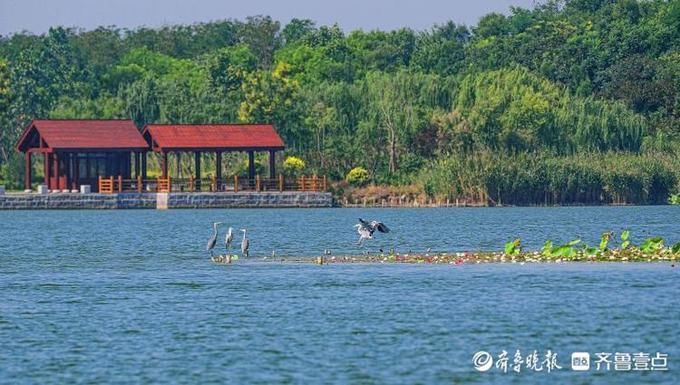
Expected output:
(625, 239)
(513, 247)
(651, 245)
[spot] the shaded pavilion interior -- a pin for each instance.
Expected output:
(199, 139)
(78, 152)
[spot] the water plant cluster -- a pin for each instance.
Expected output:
(652, 249)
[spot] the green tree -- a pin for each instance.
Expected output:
(141, 101)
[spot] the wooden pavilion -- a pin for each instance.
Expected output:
(198, 139)
(78, 152)
(111, 156)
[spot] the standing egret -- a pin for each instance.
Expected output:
(245, 244)
(228, 238)
(213, 240)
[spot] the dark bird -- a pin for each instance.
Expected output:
(213, 240)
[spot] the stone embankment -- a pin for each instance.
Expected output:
(73, 201)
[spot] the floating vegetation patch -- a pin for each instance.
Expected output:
(652, 249)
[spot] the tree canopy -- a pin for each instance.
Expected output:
(565, 81)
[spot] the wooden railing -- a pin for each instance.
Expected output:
(110, 185)
(106, 185)
(313, 183)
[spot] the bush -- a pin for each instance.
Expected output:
(12, 173)
(293, 166)
(243, 168)
(674, 199)
(357, 177)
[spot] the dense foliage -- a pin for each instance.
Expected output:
(572, 101)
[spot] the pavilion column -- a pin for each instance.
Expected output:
(64, 170)
(179, 165)
(137, 159)
(197, 169)
(272, 164)
(76, 172)
(68, 162)
(218, 165)
(46, 170)
(27, 171)
(55, 165)
(251, 165)
(164, 164)
(144, 158)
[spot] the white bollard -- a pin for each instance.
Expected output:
(85, 189)
(42, 189)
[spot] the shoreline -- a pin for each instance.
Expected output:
(164, 201)
(249, 199)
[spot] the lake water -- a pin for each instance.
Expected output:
(130, 297)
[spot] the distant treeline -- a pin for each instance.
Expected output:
(570, 102)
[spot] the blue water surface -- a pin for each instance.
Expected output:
(130, 297)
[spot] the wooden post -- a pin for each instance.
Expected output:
(76, 172)
(67, 171)
(27, 171)
(235, 183)
(46, 171)
(169, 184)
(144, 159)
(178, 170)
(213, 185)
(120, 183)
(257, 183)
(197, 169)
(192, 183)
(218, 165)
(315, 183)
(137, 161)
(302, 183)
(55, 165)
(272, 164)
(325, 183)
(164, 164)
(251, 165)
(280, 182)
(139, 183)
(99, 184)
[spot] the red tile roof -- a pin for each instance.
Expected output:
(84, 134)
(213, 136)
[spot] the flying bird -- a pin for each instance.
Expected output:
(245, 244)
(213, 240)
(366, 229)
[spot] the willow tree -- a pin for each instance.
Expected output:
(396, 108)
(141, 101)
